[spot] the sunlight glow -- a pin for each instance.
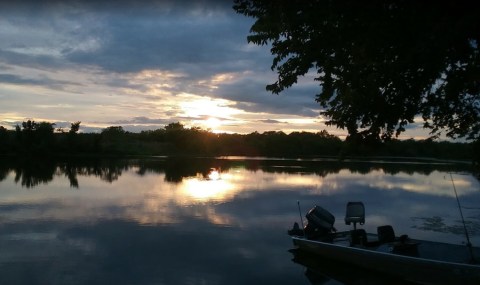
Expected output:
(201, 189)
(212, 123)
(217, 80)
(207, 112)
(196, 106)
(214, 174)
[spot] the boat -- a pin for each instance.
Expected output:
(401, 257)
(327, 271)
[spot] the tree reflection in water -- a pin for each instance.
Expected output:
(33, 172)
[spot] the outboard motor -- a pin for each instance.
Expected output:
(320, 222)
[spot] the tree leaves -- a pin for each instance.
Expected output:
(380, 64)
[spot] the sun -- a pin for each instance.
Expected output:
(212, 123)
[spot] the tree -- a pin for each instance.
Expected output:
(35, 138)
(29, 126)
(114, 139)
(74, 127)
(3, 138)
(174, 127)
(113, 131)
(380, 64)
(45, 128)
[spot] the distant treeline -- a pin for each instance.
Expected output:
(40, 139)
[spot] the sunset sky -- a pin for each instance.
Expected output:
(142, 65)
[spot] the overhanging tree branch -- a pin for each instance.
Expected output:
(379, 64)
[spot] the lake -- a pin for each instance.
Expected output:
(164, 220)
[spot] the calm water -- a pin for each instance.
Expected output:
(163, 221)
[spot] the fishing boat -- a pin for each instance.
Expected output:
(324, 271)
(402, 257)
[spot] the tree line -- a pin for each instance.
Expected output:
(42, 139)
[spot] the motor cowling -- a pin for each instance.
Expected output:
(320, 221)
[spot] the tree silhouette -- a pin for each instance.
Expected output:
(380, 64)
(3, 139)
(35, 138)
(174, 127)
(74, 127)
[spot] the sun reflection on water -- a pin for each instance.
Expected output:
(215, 187)
(213, 174)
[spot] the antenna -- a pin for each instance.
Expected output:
(469, 244)
(301, 219)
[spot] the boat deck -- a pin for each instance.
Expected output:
(416, 248)
(410, 259)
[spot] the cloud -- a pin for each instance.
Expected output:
(43, 81)
(270, 121)
(251, 96)
(124, 36)
(131, 63)
(198, 38)
(15, 79)
(141, 120)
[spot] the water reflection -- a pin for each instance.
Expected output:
(213, 188)
(30, 173)
(175, 221)
(145, 190)
(438, 224)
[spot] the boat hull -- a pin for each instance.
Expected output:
(411, 268)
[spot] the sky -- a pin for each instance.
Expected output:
(142, 65)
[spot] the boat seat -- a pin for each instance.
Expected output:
(358, 237)
(355, 214)
(385, 234)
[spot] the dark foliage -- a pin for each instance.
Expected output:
(380, 64)
(174, 139)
